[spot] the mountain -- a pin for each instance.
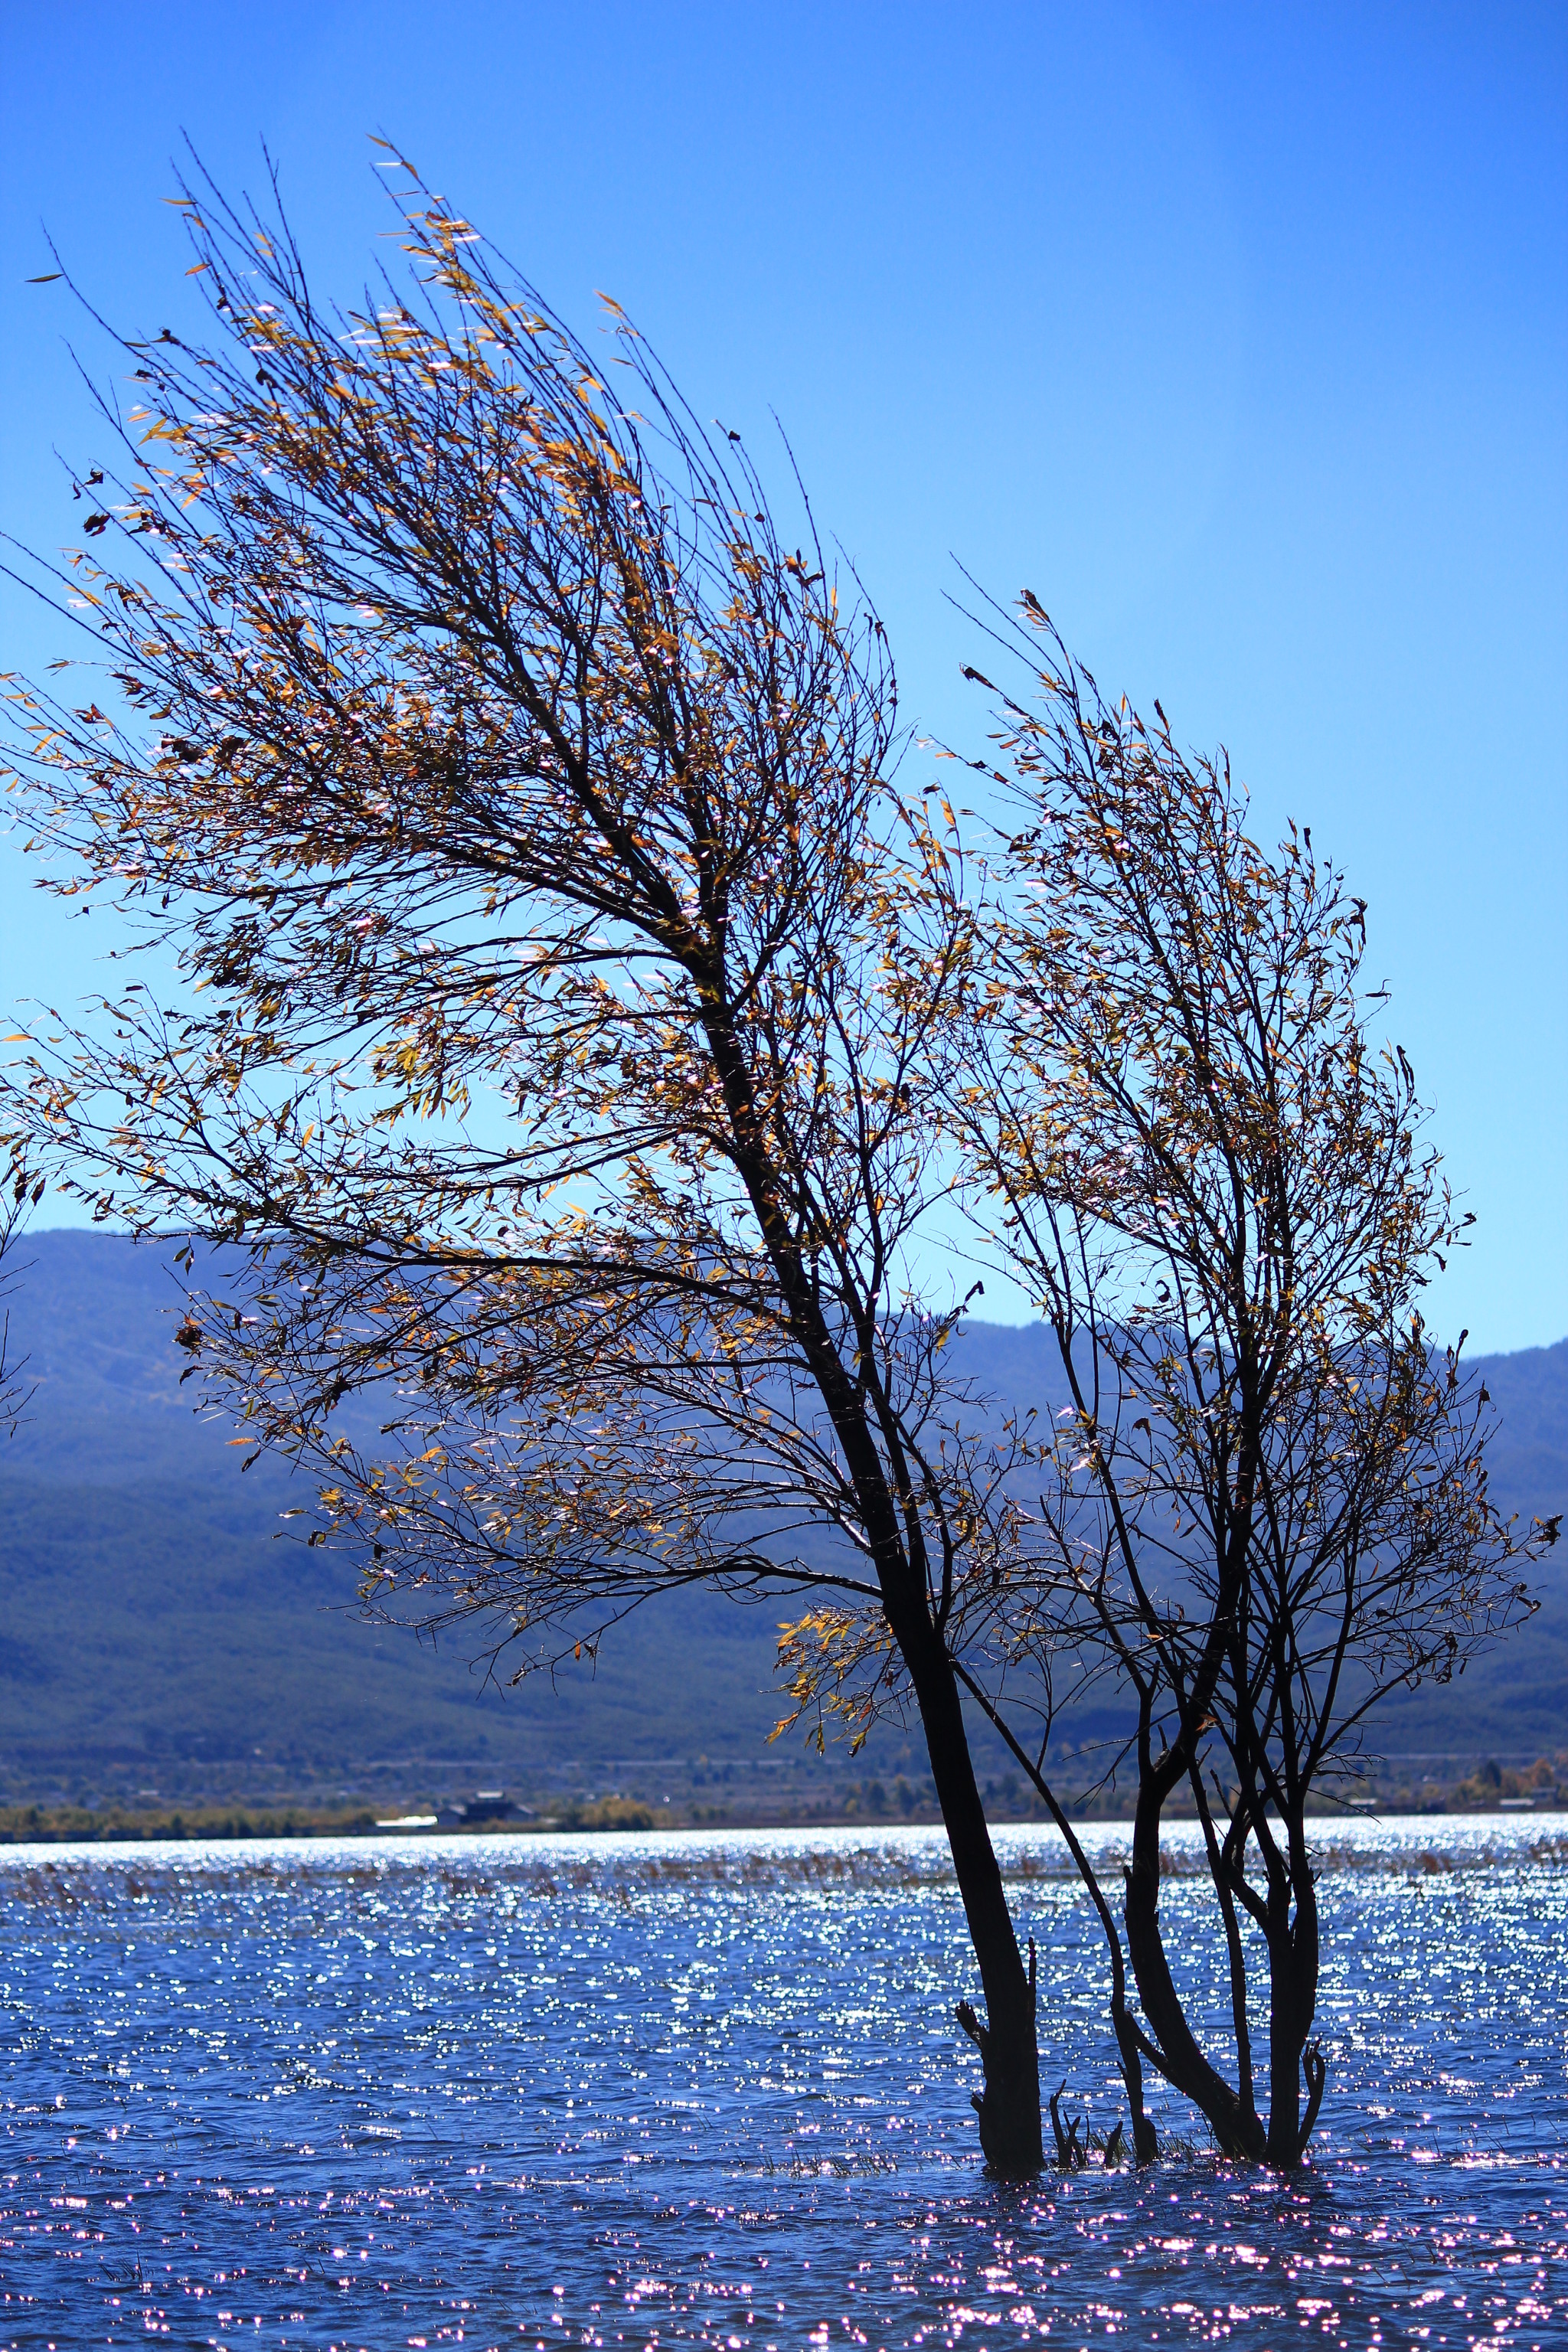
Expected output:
(157, 1635)
(1513, 1700)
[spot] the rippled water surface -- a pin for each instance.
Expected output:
(684, 2090)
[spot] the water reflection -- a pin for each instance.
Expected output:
(688, 2090)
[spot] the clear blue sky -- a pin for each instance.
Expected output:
(1238, 333)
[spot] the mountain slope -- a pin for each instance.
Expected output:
(153, 1632)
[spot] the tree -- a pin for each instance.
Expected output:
(573, 1033)
(16, 1391)
(1267, 1504)
(564, 994)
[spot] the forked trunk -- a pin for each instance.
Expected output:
(1292, 2004)
(1293, 1961)
(1237, 2128)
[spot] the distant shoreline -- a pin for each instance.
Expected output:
(199, 1825)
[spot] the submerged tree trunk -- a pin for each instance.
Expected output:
(1008, 2108)
(1293, 1956)
(1129, 2043)
(1236, 2126)
(1289, 1915)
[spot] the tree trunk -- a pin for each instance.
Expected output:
(1145, 2138)
(1009, 2107)
(1293, 1959)
(1238, 2130)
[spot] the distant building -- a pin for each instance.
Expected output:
(484, 1805)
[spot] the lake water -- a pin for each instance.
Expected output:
(691, 2089)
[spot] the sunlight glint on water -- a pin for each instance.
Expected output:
(699, 2090)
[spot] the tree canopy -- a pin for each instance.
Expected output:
(1266, 1502)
